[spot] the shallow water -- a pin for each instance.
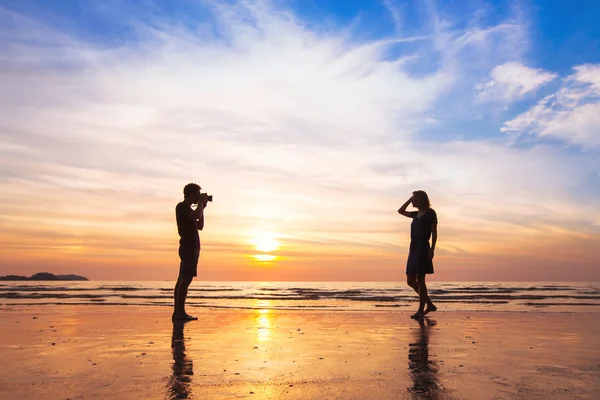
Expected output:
(341, 296)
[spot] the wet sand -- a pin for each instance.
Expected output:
(112, 352)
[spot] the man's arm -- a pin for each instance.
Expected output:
(198, 213)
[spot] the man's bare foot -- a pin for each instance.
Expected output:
(183, 317)
(430, 309)
(417, 315)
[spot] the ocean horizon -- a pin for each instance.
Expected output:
(327, 296)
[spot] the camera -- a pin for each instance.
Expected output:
(206, 197)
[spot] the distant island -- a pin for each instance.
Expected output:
(44, 276)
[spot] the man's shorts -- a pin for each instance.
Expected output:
(188, 267)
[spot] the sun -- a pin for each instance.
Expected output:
(265, 242)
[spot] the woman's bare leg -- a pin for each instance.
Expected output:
(411, 280)
(424, 297)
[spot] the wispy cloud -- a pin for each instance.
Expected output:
(511, 81)
(395, 14)
(572, 114)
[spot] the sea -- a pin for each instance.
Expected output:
(327, 296)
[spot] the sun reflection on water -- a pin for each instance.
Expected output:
(263, 320)
(264, 257)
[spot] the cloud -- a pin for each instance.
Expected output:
(308, 133)
(571, 114)
(395, 15)
(511, 81)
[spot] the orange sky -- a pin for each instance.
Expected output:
(106, 243)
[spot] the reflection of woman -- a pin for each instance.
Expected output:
(183, 368)
(420, 255)
(423, 371)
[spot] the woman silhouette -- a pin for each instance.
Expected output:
(420, 255)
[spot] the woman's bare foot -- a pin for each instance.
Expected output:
(417, 315)
(430, 309)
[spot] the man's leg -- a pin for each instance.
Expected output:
(181, 296)
(176, 291)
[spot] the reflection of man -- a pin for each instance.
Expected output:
(183, 368)
(189, 222)
(423, 371)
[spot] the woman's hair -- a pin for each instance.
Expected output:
(190, 189)
(421, 199)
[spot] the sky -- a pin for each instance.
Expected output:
(310, 122)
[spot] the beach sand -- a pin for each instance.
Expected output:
(128, 352)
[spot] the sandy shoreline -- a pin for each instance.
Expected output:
(111, 352)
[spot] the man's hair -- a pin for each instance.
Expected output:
(422, 198)
(191, 189)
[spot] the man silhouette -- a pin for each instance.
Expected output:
(189, 222)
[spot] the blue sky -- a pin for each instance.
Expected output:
(300, 115)
(562, 34)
